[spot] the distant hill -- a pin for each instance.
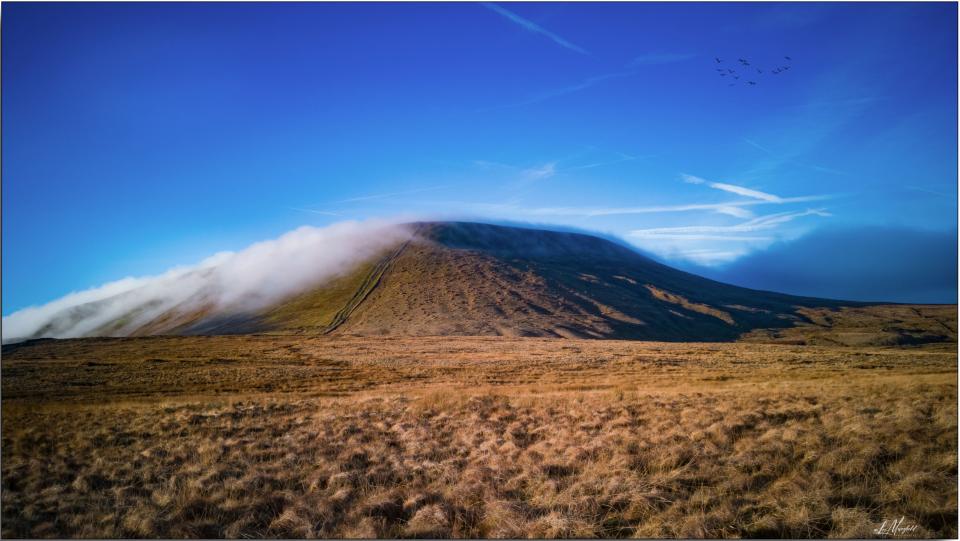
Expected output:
(457, 278)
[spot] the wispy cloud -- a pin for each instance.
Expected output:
(746, 192)
(761, 223)
(623, 158)
(757, 146)
(392, 194)
(650, 59)
(736, 212)
(491, 163)
(315, 211)
(709, 256)
(513, 209)
(693, 207)
(564, 90)
(691, 179)
(534, 27)
(536, 172)
(781, 159)
(736, 238)
(733, 188)
(544, 171)
(697, 242)
(552, 168)
(927, 190)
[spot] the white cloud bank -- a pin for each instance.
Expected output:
(250, 279)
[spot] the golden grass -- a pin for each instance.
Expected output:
(284, 437)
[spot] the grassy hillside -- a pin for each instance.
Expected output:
(316, 311)
(468, 279)
(880, 325)
(293, 436)
(464, 279)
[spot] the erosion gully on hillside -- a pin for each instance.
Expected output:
(249, 436)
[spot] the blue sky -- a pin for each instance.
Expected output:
(137, 137)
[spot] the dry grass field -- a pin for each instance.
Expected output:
(253, 436)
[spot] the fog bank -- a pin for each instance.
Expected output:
(247, 280)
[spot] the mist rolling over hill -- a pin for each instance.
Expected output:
(425, 279)
(226, 283)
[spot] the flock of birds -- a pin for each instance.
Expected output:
(746, 70)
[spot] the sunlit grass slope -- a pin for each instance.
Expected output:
(475, 437)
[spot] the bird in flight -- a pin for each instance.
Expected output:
(735, 75)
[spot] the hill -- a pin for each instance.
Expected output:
(477, 279)
(472, 279)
